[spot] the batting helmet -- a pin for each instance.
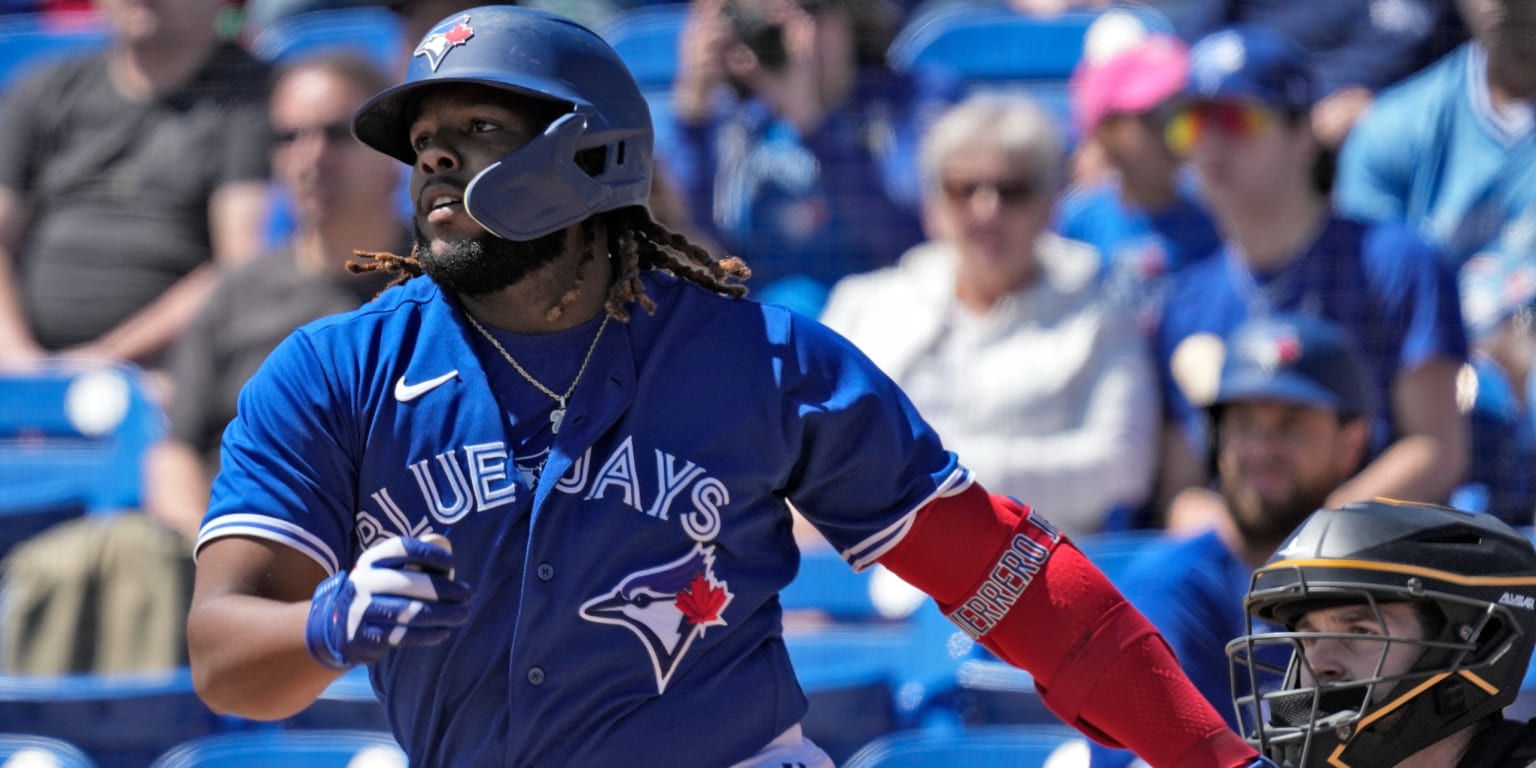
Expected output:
(1473, 581)
(540, 188)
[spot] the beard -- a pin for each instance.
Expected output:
(486, 263)
(1265, 524)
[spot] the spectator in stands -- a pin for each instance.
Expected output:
(1247, 134)
(343, 200)
(126, 178)
(998, 330)
(1453, 151)
(1145, 217)
(1291, 419)
(795, 143)
(1358, 47)
(57, 621)
(1499, 303)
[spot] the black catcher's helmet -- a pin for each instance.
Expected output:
(1473, 580)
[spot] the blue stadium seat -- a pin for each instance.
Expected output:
(992, 47)
(20, 749)
(287, 749)
(120, 721)
(72, 439)
(1003, 747)
(646, 39)
(28, 40)
(373, 31)
(993, 44)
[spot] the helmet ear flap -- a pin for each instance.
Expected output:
(538, 189)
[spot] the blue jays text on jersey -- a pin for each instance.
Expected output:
(629, 595)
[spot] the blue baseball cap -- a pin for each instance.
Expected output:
(1296, 359)
(1250, 62)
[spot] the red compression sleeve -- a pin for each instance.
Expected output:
(1010, 580)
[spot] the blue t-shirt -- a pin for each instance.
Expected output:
(1432, 152)
(626, 606)
(1141, 250)
(1382, 283)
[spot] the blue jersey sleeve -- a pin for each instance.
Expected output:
(286, 470)
(867, 461)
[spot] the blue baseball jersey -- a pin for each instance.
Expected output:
(1433, 151)
(1383, 283)
(625, 608)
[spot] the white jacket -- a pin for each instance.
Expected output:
(1049, 397)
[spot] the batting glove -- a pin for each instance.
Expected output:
(1261, 762)
(400, 594)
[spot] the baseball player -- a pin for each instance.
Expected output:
(608, 437)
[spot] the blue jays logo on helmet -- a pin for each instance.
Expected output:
(539, 188)
(667, 607)
(444, 38)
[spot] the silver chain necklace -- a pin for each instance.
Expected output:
(558, 415)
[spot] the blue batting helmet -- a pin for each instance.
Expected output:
(540, 188)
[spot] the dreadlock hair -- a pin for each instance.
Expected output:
(635, 241)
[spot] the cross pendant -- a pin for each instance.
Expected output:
(556, 416)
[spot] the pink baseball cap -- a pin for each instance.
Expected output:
(1129, 81)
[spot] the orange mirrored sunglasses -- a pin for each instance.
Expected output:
(1232, 119)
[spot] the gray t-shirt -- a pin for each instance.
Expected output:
(251, 311)
(119, 190)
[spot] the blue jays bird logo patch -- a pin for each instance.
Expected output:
(667, 607)
(444, 38)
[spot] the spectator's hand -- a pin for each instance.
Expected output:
(799, 98)
(1336, 114)
(400, 594)
(701, 51)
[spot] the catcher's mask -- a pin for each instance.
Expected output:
(1472, 580)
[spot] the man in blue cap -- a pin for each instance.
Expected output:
(1290, 422)
(1246, 131)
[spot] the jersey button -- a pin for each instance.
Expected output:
(536, 675)
(546, 571)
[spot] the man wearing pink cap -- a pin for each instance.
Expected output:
(1145, 217)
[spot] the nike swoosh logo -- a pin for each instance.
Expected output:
(407, 392)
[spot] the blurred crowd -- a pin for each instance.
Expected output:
(1276, 255)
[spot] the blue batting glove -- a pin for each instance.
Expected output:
(400, 594)
(1262, 762)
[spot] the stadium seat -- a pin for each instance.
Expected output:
(72, 440)
(374, 31)
(1003, 747)
(865, 661)
(287, 749)
(992, 47)
(19, 750)
(120, 721)
(28, 40)
(646, 39)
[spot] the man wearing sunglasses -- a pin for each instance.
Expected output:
(1246, 131)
